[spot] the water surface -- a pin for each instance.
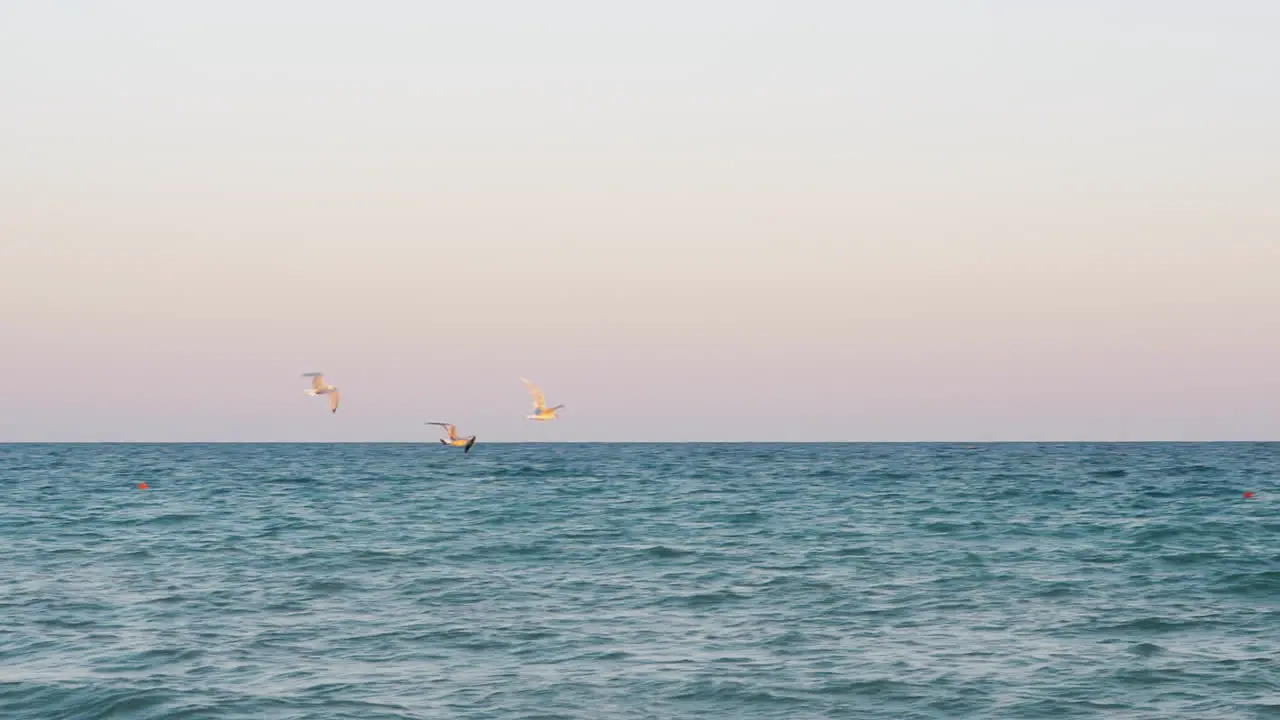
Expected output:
(639, 581)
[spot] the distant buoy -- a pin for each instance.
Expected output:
(1248, 494)
(142, 486)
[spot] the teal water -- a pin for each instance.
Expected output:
(640, 581)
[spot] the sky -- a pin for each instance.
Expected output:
(686, 221)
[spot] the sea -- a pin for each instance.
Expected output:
(602, 581)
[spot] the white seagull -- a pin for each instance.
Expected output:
(540, 409)
(320, 387)
(463, 442)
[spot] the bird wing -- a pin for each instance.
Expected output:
(333, 400)
(539, 402)
(452, 430)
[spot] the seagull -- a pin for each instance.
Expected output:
(319, 387)
(540, 409)
(463, 442)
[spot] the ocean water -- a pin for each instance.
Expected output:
(640, 581)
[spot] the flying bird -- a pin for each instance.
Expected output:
(463, 442)
(320, 387)
(540, 409)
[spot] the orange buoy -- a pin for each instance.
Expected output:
(1248, 494)
(142, 486)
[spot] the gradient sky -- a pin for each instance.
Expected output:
(996, 220)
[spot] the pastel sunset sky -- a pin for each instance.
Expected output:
(716, 220)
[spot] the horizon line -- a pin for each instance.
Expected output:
(641, 442)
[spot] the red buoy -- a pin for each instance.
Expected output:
(1248, 493)
(142, 486)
